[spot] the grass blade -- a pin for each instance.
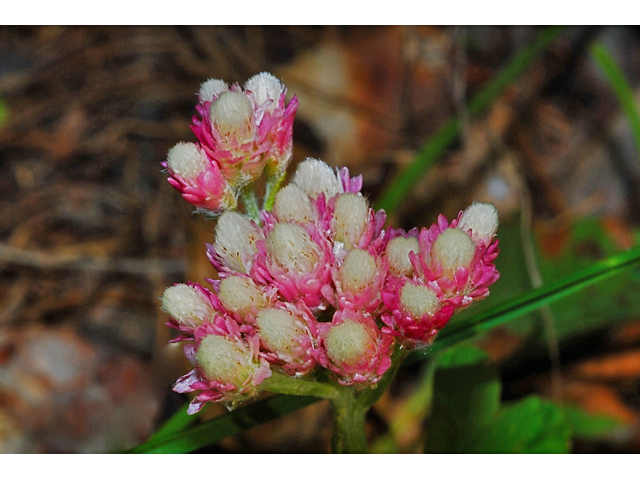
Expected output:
(621, 87)
(411, 174)
(225, 425)
(535, 299)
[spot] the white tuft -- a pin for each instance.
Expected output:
(347, 342)
(293, 205)
(481, 219)
(187, 160)
(453, 249)
(278, 330)
(265, 87)
(292, 248)
(358, 270)
(239, 294)
(315, 177)
(418, 300)
(221, 359)
(232, 116)
(185, 304)
(211, 89)
(236, 239)
(397, 253)
(350, 218)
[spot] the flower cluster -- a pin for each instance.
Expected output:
(241, 134)
(317, 282)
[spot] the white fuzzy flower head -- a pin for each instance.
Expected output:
(293, 205)
(358, 270)
(481, 219)
(397, 253)
(240, 294)
(265, 87)
(453, 249)
(418, 300)
(222, 360)
(232, 116)
(350, 218)
(211, 89)
(186, 304)
(187, 160)
(291, 247)
(315, 177)
(236, 239)
(279, 329)
(347, 342)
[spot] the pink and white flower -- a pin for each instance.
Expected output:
(244, 130)
(199, 179)
(288, 337)
(354, 348)
(228, 365)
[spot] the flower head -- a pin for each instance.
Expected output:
(354, 348)
(228, 367)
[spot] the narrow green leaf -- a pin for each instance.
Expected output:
(411, 174)
(533, 300)
(179, 421)
(4, 113)
(224, 426)
(621, 87)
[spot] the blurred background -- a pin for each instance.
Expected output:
(91, 232)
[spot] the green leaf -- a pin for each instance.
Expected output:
(589, 426)
(4, 113)
(225, 425)
(532, 425)
(438, 143)
(529, 302)
(461, 356)
(465, 400)
(623, 90)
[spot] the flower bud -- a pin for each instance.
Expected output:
(397, 253)
(232, 117)
(240, 295)
(453, 249)
(187, 305)
(235, 242)
(418, 300)
(350, 218)
(358, 271)
(348, 342)
(292, 248)
(481, 219)
(223, 360)
(211, 89)
(293, 205)
(198, 178)
(187, 160)
(315, 177)
(266, 90)
(279, 330)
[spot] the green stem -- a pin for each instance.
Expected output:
(250, 202)
(349, 435)
(281, 383)
(273, 185)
